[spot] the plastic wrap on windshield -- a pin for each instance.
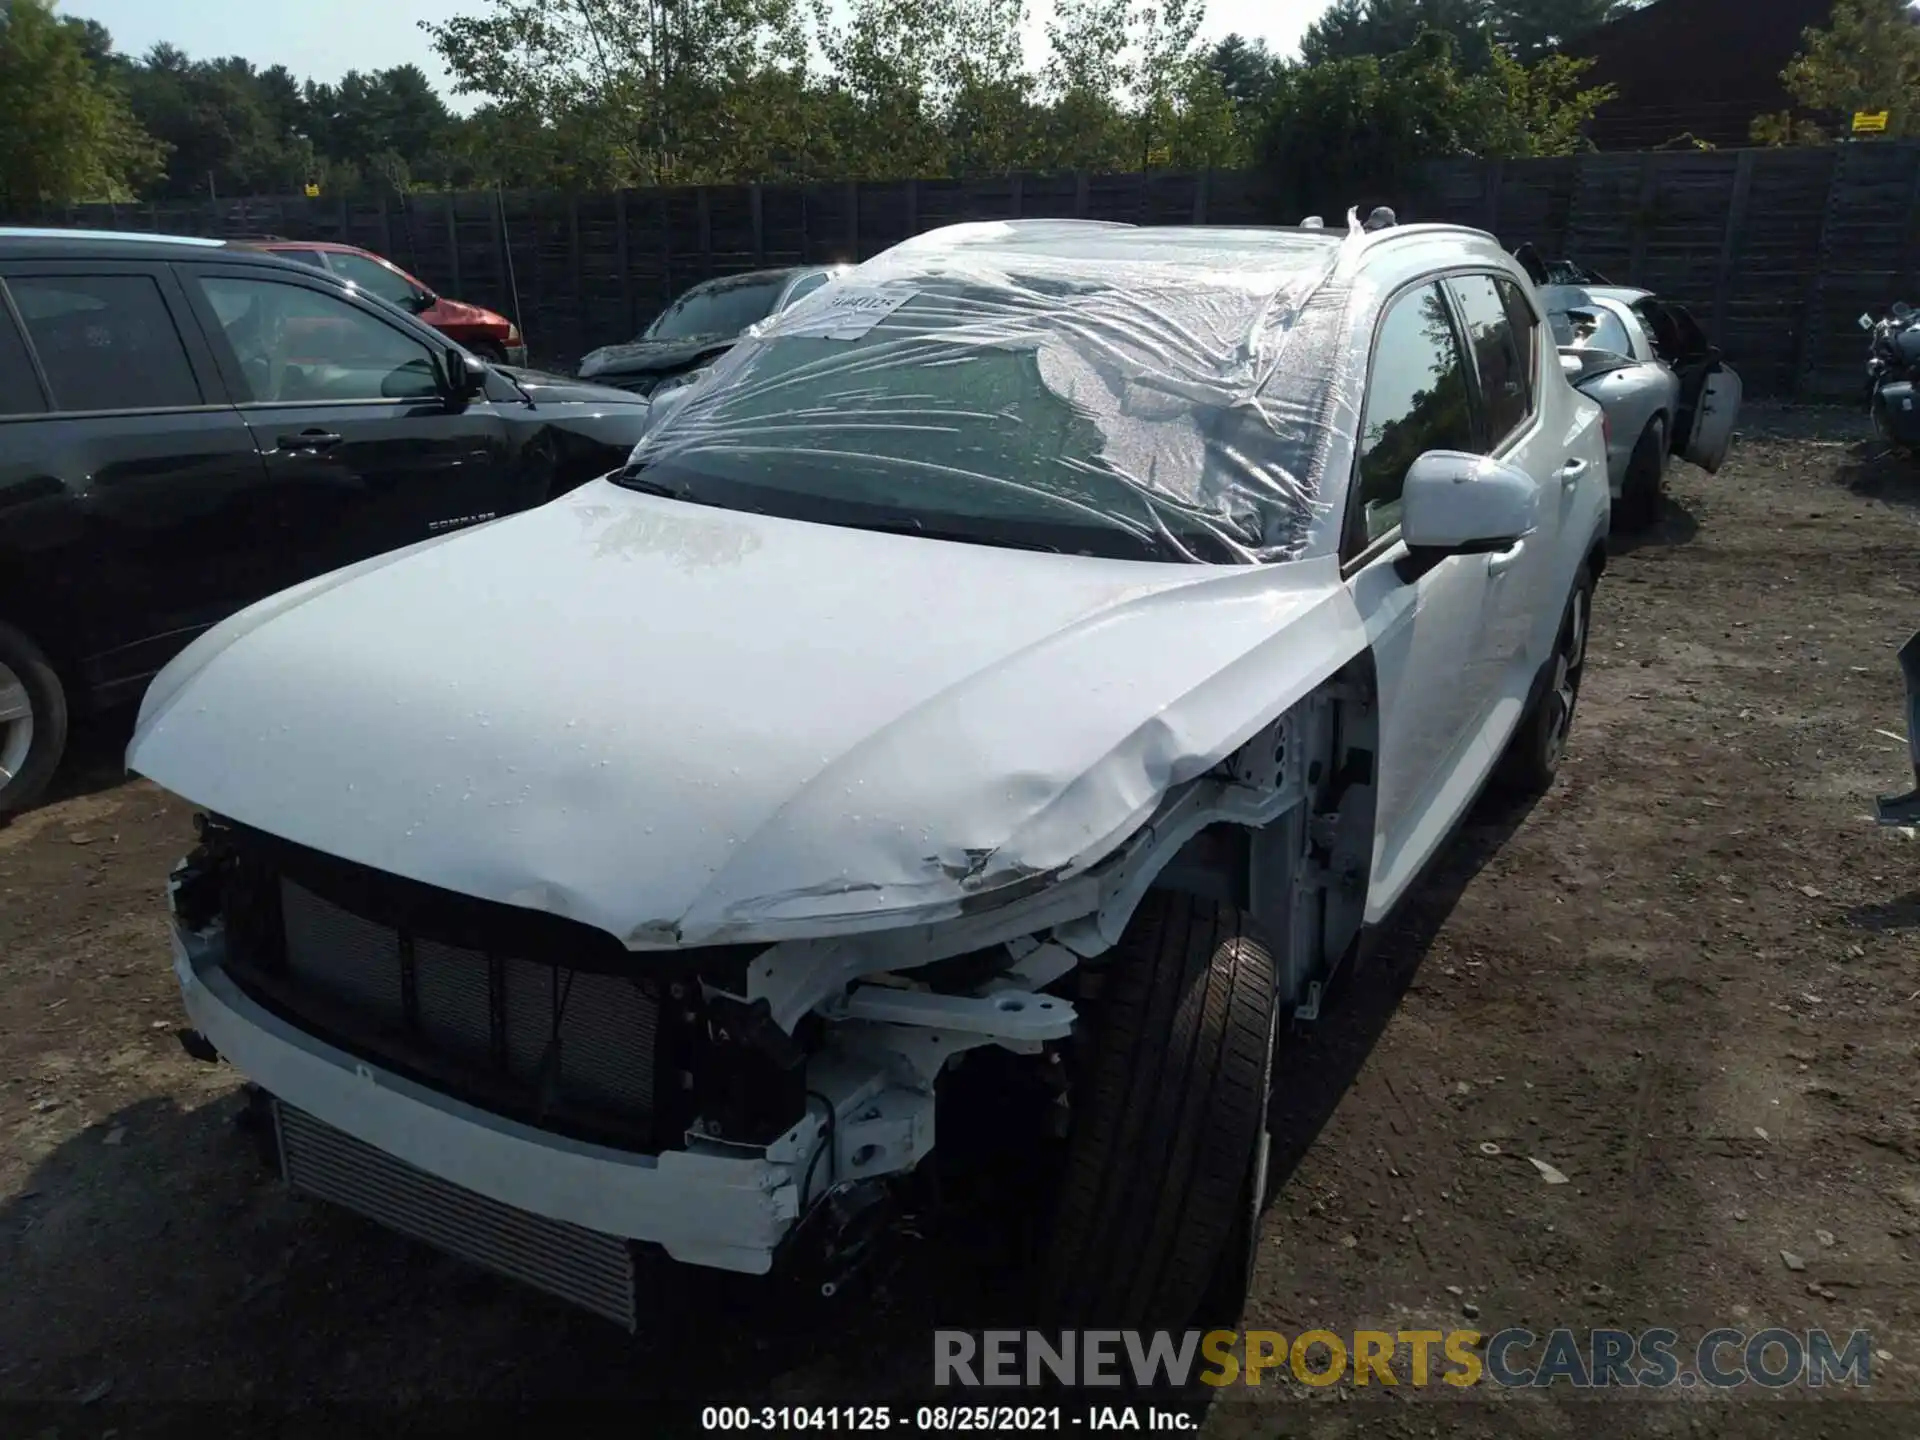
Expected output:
(1044, 379)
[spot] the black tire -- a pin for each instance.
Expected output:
(1168, 1111)
(490, 351)
(1642, 488)
(1533, 755)
(47, 702)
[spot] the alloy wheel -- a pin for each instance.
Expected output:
(16, 724)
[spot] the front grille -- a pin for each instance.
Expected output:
(583, 1266)
(577, 1050)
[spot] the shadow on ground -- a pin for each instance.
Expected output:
(95, 760)
(1676, 525)
(1876, 471)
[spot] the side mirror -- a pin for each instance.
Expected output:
(466, 375)
(422, 301)
(1571, 366)
(1459, 504)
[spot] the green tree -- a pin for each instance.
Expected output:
(69, 133)
(1527, 30)
(665, 84)
(1867, 58)
(1345, 130)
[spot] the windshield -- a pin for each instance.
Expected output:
(1087, 418)
(722, 308)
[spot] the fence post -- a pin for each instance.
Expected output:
(386, 227)
(1730, 241)
(1810, 306)
(704, 203)
(453, 244)
(913, 207)
(624, 259)
(755, 204)
(853, 220)
(578, 270)
(1493, 177)
(1019, 194)
(1080, 194)
(1202, 183)
(1643, 216)
(1910, 236)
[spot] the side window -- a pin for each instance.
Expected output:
(805, 286)
(106, 342)
(374, 278)
(19, 386)
(1416, 402)
(1526, 326)
(297, 345)
(1506, 381)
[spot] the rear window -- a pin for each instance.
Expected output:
(106, 342)
(19, 386)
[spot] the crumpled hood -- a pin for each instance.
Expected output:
(653, 357)
(689, 726)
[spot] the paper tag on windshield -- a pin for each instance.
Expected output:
(837, 312)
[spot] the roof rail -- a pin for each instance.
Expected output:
(57, 232)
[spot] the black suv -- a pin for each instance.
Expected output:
(187, 426)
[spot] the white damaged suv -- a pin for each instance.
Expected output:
(1054, 648)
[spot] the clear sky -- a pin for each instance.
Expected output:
(323, 39)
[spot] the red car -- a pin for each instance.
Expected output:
(490, 336)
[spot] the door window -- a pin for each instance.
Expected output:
(1416, 402)
(106, 342)
(376, 279)
(806, 285)
(298, 345)
(19, 386)
(1499, 355)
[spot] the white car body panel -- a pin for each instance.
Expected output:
(654, 660)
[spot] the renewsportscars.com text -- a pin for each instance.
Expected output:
(1594, 1360)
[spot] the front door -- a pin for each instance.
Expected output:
(1424, 625)
(365, 448)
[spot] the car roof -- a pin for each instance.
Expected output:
(1271, 256)
(24, 243)
(329, 247)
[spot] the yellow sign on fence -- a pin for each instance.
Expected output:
(313, 191)
(1869, 122)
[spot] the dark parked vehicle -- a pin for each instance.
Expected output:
(1893, 372)
(187, 426)
(701, 326)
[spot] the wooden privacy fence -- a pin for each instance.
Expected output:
(1776, 250)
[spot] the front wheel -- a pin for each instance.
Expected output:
(33, 720)
(490, 351)
(1534, 754)
(1168, 1116)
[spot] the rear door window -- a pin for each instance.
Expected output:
(106, 342)
(1499, 356)
(20, 392)
(375, 278)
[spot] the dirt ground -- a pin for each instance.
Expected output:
(1688, 978)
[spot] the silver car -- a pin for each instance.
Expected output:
(1662, 384)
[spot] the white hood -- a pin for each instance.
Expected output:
(685, 726)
